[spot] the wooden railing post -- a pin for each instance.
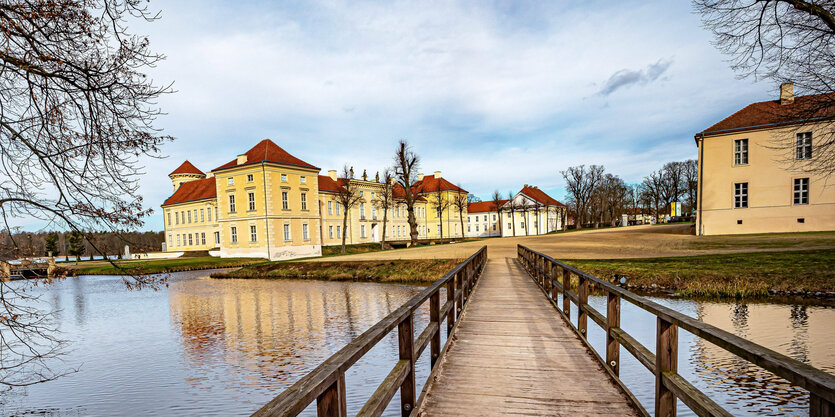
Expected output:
(553, 272)
(450, 297)
(612, 322)
(566, 286)
(459, 299)
(583, 296)
(406, 341)
(332, 402)
(666, 360)
(819, 407)
(435, 317)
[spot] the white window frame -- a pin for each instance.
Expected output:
(741, 151)
(305, 233)
(800, 191)
(740, 195)
(304, 201)
(233, 234)
(803, 146)
(232, 203)
(285, 200)
(251, 200)
(287, 235)
(253, 233)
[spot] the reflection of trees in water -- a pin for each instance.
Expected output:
(737, 384)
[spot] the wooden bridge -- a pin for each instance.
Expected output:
(512, 349)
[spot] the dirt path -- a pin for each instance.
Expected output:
(629, 242)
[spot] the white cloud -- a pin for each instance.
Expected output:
(494, 98)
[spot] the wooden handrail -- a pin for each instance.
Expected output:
(326, 383)
(669, 384)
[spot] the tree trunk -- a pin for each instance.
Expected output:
(410, 209)
(513, 221)
(344, 229)
(383, 236)
(461, 218)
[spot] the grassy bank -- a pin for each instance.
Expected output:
(412, 271)
(727, 275)
(157, 266)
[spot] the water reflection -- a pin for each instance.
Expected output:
(225, 347)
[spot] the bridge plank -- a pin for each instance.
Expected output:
(511, 354)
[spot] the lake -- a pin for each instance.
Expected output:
(226, 347)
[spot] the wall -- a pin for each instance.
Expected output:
(770, 187)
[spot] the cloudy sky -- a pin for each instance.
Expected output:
(494, 95)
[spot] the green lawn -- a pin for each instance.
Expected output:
(156, 266)
(728, 275)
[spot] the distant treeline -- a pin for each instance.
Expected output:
(85, 245)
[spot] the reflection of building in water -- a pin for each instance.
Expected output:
(272, 330)
(790, 330)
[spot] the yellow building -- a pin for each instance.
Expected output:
(268, 205)
(365, 220)
(443, 219)
(750, 170)
(190, 214)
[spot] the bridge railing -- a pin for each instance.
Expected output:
(669, 384)
(326, 383)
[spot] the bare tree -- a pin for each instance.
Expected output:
(77, 115)
(512, 206)
(654, 191)
(459, 203)
(783, 41)
(581, 184)
(525, 207)
(384, 200)
(347, 196)
(440, 204)
(691, 181)
(406, 165)
(497, 205)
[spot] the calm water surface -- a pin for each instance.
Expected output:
(226, 347)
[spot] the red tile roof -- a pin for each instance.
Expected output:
(540, 196)
(192, 191)
(431, 184)
(483, 206)
(327, 184)
(268, 151)
(400, 193)
(186, 168)
(771, 113)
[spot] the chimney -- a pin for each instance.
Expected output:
(437, 174)
(332, 174)
(210, 175)
(420, 177)
(241, 159)
(786, 93)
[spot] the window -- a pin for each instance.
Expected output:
(302, 179)
(286, 232)
(339, 231)
(330, 232)
(494, 217)
(304, 201)
(741, 195)
(485, 227)
(209, 213)
(337, 209)
(230, 181)
(253, 233)
(523, 225)
(250, 178)
(305, 236)
(234, 233)
(190, 242)
(217, 210)
(232, 203)
(283, 177)
(804, 145)
(285, 204)
(169, 218)
(202, 215)
(439, 229)
(741, 152)
(362, 211)
(177, 217)
(362, 231)
(509, 226)
(217, 238)
(189, 216)
(178, 240)
(330, 208)
(508, 215)
(202, 238)
(485, 217)
(195, 215)
(373, 212)
(801, 191)
(251, 197)
(468, 228)
(494, 227)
